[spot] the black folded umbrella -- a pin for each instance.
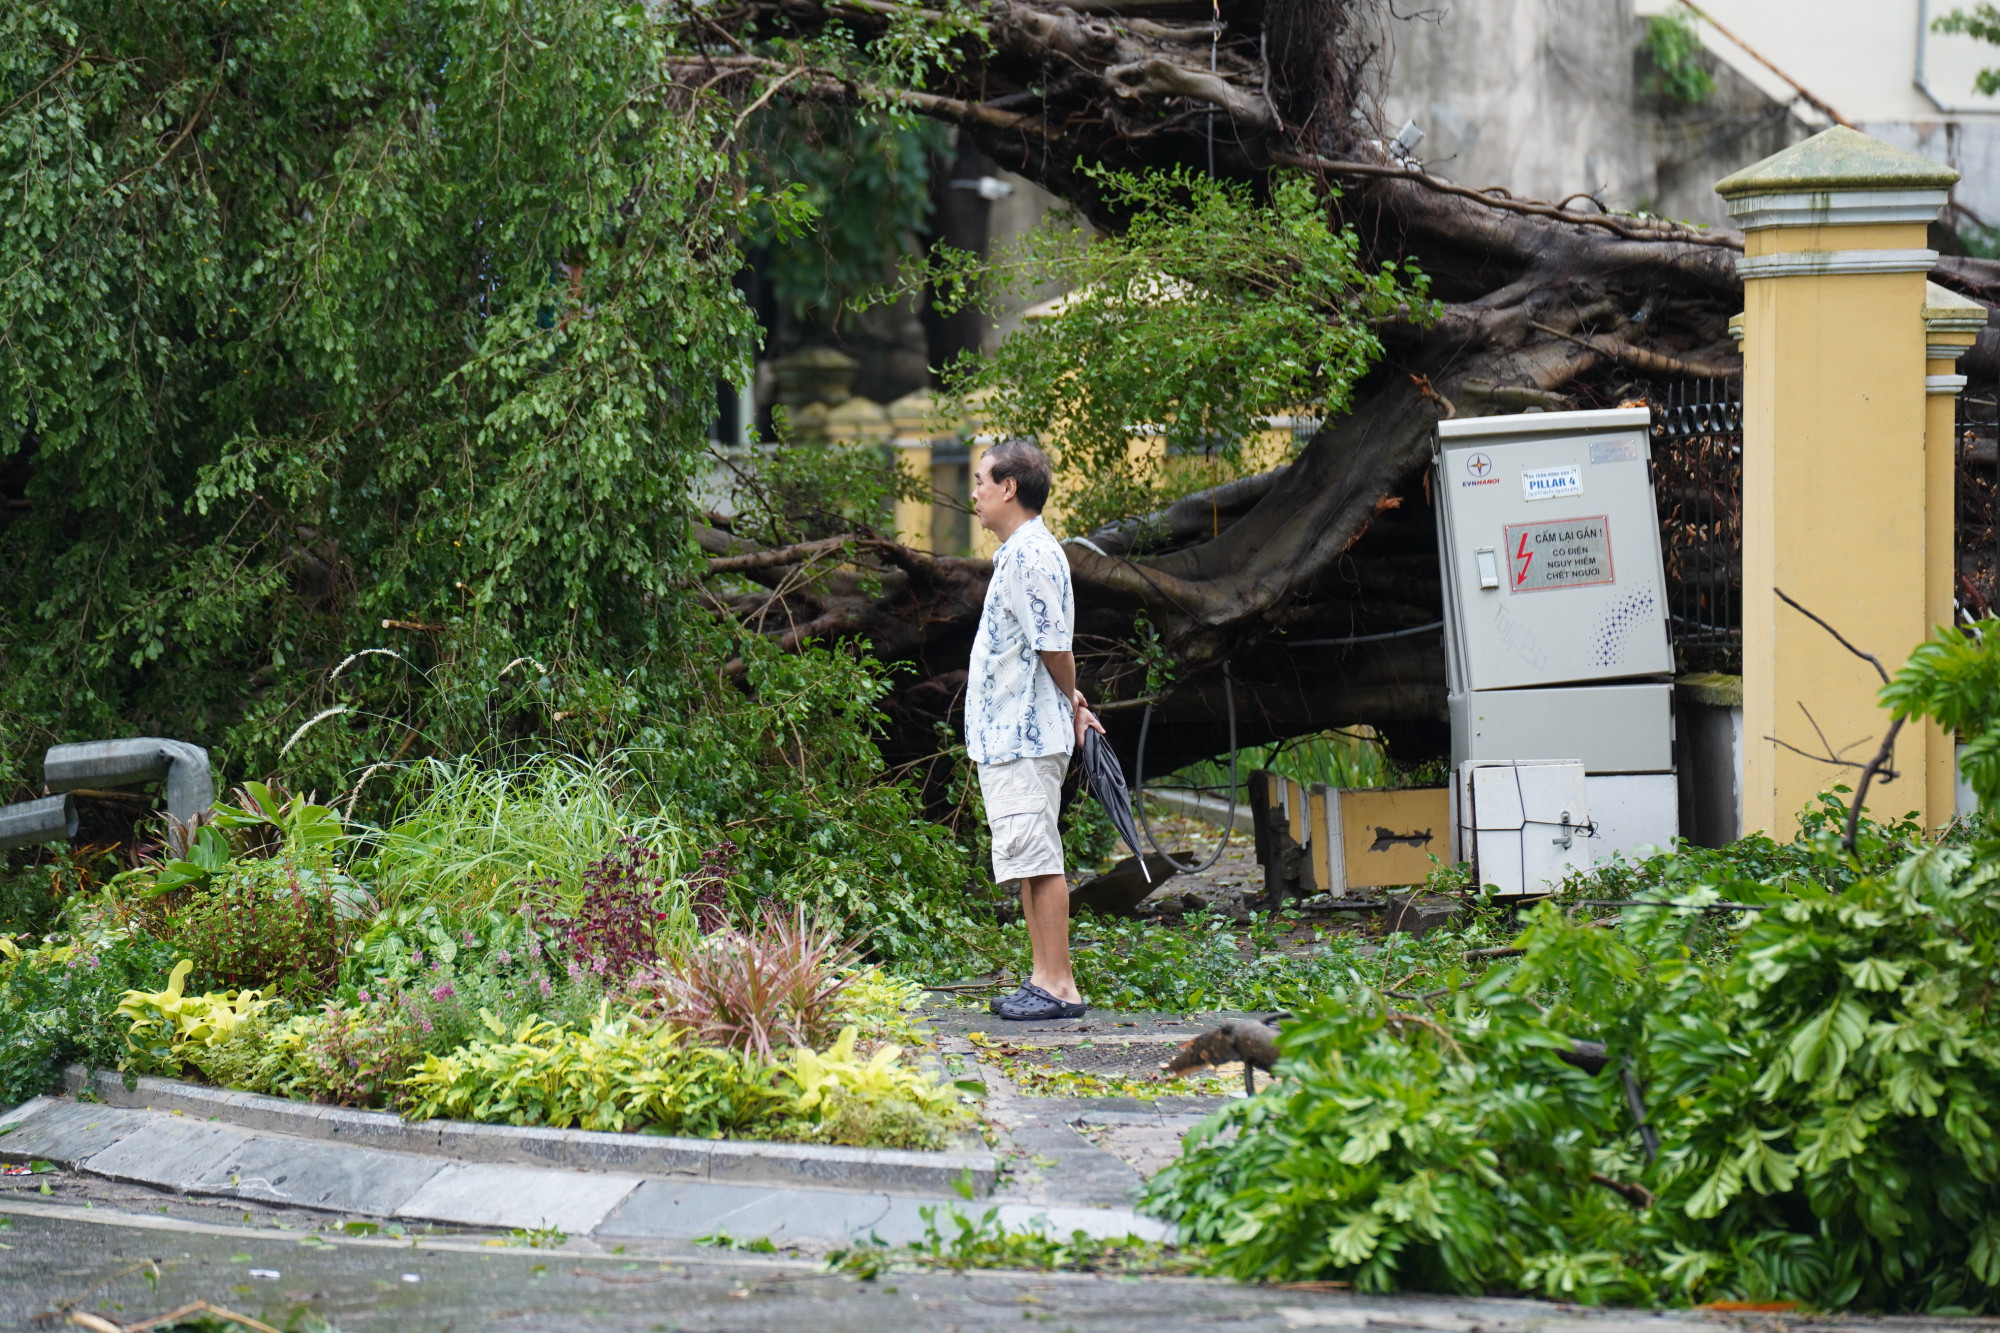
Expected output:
(1106, 777)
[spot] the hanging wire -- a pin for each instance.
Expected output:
(1139, 783)
(1214, 36)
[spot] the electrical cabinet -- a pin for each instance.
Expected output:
(1556, 628)
(1551, 544)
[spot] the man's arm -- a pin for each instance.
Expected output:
(1062, 670)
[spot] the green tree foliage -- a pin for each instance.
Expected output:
(1823, 1075)
(357, 360)
(1211, 311)
(867, 179)
(1674, 48)
(318, 315)
(1982, 22)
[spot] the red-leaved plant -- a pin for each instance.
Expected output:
(708, 887)
(615, 932)
(753, 990)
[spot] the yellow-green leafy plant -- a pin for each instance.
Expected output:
(619, 1074)
(874, 1100)
(249, 1058)
(882, 1006)
(344, 1055)
(167, 1024)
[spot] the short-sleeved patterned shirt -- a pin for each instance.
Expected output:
(1013, 709)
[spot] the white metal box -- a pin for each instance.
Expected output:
(1625, 728)
(1632, 812)
(1550, 543)
(1524, 825)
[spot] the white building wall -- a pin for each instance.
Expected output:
(1547, 98)
(1877, 64)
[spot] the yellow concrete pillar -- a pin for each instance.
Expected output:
(984, 544)
(1951, 325)
(1835, 485)
(915, 519)
(912, 425)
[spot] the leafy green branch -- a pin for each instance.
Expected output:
(1210, 312)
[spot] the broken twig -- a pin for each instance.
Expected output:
(1883, 754)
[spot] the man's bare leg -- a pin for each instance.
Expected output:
(1045, 907)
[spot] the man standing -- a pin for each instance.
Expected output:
(1024, 715)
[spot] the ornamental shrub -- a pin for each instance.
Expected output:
(274, 924)
(617, 1074)
(776, 984)
(58, 1001)
(626, 914)
(169, 1026)
(622, 1073)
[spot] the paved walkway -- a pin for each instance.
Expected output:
(127, 1264)
(1083, 1150)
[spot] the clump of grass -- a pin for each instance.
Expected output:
(965, 1242)
(482, 838)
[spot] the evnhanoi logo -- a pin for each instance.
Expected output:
(1479, 467)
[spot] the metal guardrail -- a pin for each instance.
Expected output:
(189, 784)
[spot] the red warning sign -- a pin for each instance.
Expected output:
(1565, 553)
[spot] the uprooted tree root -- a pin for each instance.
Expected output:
(1543, 304)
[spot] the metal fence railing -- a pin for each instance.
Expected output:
(1978, 546)
(1698, 479)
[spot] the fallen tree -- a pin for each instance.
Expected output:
(1544, 305)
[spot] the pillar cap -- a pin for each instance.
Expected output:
(1945, 311)
(916, 414)
(1839, 176)
(858, 421)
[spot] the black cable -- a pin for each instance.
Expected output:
(1359, 638)
(1139, 783)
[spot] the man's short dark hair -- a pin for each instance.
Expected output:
(1022, 462)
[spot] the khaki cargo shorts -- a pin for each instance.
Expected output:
(1023, 798)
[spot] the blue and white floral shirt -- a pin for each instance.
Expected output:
(1013, 709)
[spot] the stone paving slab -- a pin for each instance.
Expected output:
(673, 1210)
(338, 1177)
(818, 1218)
(63, 1132)
(522, 1198)
(170, 1152)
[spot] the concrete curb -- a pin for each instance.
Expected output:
(727, 1161)
(1208, 809)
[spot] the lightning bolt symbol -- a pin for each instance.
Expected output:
(1524, 555)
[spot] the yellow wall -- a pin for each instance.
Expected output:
(1834, 484)
(1847, 504)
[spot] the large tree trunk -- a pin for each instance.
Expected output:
(1545, 307)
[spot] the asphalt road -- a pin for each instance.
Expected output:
(128, 1266)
